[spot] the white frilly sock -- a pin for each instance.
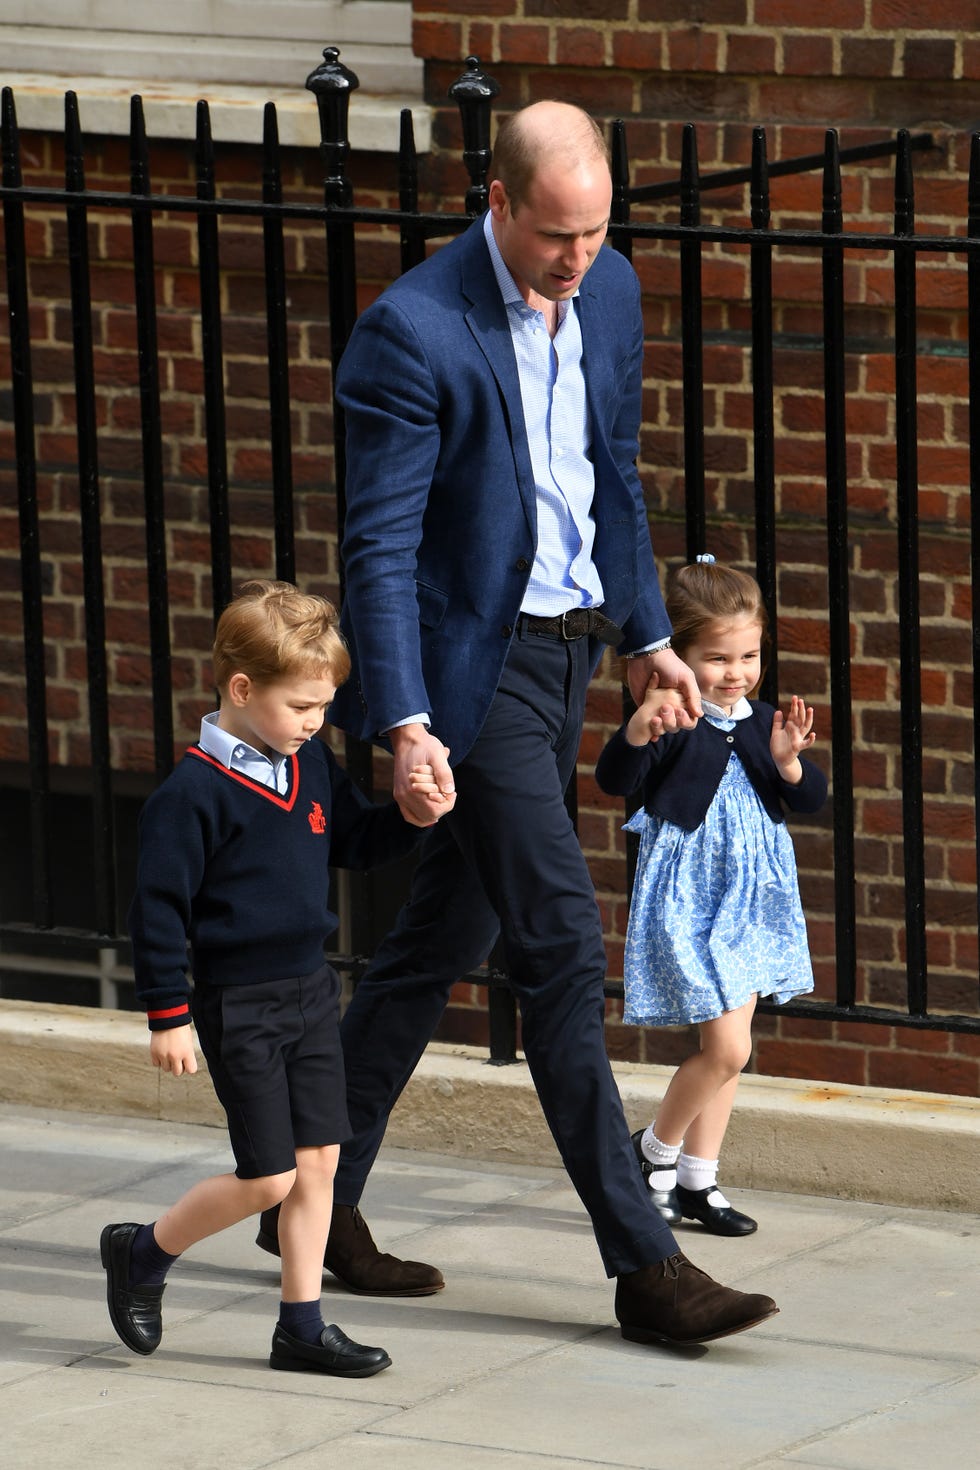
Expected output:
(662, 1157)
(697, 1174)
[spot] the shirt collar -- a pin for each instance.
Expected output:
(237, 755)
(741, 710)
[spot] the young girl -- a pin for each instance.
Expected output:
(715, 919)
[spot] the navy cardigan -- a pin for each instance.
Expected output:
(680, 772)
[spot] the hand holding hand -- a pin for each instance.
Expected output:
(423, 786)
(422, 780)
(791, 733)
(662, 710)
(173, 1051)
(664, 670)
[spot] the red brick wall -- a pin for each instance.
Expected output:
(867, 69)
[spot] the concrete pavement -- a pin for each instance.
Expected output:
(872, 1364)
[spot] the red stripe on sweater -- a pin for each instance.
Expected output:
(286, 802)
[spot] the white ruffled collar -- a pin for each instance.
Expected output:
(741, 710)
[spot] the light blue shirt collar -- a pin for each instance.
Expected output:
(238, 755)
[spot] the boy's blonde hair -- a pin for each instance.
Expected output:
(702, 593)
(273, 631)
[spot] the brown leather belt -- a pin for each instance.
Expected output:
(578, 622)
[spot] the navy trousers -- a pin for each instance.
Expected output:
(507, 859)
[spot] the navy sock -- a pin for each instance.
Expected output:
(148, 1264)
(301, 1319)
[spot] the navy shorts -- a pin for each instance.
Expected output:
(274, 1054)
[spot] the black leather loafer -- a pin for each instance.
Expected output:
(664, 1199)
(135, 1311)
(334, 1354)
(716, 1219)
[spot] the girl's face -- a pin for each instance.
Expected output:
(727, 660)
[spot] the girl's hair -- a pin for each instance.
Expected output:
(702, 593)
(273, 631)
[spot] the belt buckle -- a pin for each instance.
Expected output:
(563, 626)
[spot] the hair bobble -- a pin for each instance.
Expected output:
(705, 558)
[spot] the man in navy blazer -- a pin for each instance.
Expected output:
(496, 536)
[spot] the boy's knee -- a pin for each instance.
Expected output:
(273, 1188)
(318, 1163)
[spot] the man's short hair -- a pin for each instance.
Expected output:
(273, 631)
(519, 152)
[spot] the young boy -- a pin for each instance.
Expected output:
(234, 849)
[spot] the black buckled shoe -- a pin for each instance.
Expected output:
(135, 1311)
(714, 1212)
(335, 1354)
(664, 1199)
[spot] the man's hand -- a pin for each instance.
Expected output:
(666, 671)
(173, 1050)
(421, 801)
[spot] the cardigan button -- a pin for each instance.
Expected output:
(730, 739)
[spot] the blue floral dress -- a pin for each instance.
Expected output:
(715, 915)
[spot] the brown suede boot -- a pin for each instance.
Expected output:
(673, 1301)
(352, 1256)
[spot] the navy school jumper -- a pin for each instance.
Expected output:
(240, 873)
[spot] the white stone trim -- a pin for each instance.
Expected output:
(236, 112)
(239, 54)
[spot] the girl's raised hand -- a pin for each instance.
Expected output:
(791, 733)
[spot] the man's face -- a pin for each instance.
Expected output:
(551, 239)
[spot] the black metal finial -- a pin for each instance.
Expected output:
(331, 84)
(473, 93)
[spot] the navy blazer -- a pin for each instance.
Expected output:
(680, 772)
(441, 518)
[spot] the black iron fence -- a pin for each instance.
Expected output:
(339, 218)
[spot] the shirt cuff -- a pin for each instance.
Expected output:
(408, 720)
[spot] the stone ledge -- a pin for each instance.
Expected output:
(914, 1149)
(236, 112)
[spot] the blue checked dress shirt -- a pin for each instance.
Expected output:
(559, 433)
